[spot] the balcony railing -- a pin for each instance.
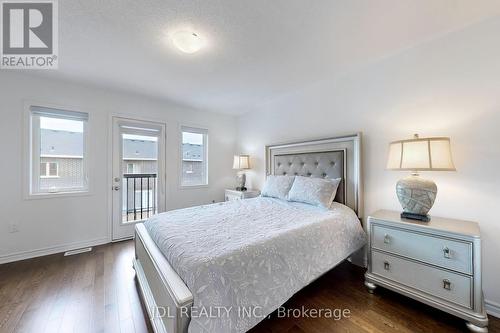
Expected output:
(139, 196)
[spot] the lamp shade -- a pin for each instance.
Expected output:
(421, 154)
(241, 162)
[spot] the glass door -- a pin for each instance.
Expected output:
(138, 173)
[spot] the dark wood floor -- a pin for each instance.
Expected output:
(96, 292)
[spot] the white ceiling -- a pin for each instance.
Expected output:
(257, 49)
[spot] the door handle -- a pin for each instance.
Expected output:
(446, 284)
(116, 188)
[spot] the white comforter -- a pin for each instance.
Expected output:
(253, 254)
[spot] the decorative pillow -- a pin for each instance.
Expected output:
(315, 191)
(277, 186)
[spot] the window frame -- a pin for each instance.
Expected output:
(205, 133)
(31, 145)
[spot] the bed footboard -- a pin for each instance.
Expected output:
(167, 299)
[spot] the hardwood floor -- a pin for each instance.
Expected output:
(96, 292)
(90, 292)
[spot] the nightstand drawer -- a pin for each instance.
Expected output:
(452, 287)
(447, 253)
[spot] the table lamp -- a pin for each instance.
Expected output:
(416, 194)
(240, 163)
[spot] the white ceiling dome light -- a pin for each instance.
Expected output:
(187, 41)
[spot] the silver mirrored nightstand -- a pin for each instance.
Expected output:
(437, 263)
(238, 195)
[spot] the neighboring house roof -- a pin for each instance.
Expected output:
(192, 152)
(139, 150)
(69, 144)
(61, 143)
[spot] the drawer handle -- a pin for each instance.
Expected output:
(387, 239)
(446, 252)
(387, 265)
(446, 284)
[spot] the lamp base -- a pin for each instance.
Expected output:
(241, 179)
(412, 216)
(416, 195)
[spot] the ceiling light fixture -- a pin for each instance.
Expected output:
(187, 41)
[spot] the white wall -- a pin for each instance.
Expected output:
(51, 224)
(448, 87)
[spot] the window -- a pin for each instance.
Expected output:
(194, 166)
(130, 168)
(49, 169)
(58, 151)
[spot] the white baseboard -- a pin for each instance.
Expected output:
(51, 250)
(492, 308)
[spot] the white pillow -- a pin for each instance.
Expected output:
(277, 186)
(315, 191)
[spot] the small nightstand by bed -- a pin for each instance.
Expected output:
(238, 195)
(437, 263)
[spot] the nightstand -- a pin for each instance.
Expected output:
(238, 195)
(437, 263)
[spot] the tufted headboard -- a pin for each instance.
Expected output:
(328, 164)
(325, 158)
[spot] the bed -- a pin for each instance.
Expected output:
(224, 267)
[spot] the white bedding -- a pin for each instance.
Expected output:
(251, 253)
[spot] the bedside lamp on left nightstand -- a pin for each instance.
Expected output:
(240, 163)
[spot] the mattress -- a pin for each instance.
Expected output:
(243, 259)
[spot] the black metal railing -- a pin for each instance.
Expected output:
(139, 196)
